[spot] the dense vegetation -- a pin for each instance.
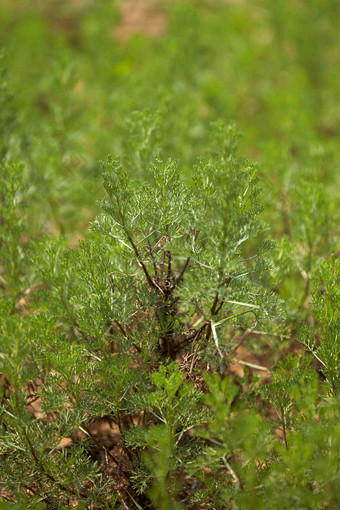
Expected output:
(169, 316)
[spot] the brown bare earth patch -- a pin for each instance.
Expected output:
(140, 17)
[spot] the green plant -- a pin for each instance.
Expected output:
(166, 279)
(147, 368)
(322, 337)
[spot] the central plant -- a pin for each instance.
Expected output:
(180, 276)
(179, 273)
(126, 330)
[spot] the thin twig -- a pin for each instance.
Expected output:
(219, 307)
(180, 276)
(151, 282)
(213, 308)
(122, 330)
(232, 472)
(168, 254)
(153, 259)
(251, 365)
(120, 327)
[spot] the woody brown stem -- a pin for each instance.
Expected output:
(213, 308)
(180, 276)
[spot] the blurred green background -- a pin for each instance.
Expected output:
(144, 78)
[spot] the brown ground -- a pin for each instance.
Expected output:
(140, 17)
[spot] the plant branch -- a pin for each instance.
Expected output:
(232, 472)
(213, 308)
(153, 259)
(151, 282)
(180, 276)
